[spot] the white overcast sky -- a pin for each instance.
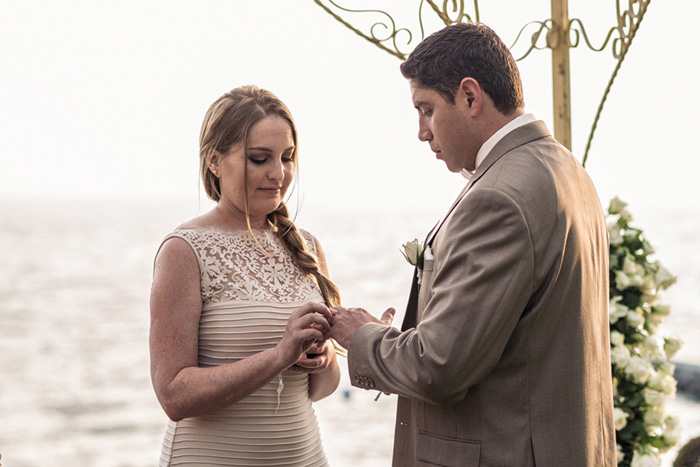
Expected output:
(105, 98)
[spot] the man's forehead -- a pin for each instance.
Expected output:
(422, 95)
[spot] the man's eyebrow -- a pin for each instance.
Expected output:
(419, 104)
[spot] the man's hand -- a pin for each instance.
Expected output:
(347, 320)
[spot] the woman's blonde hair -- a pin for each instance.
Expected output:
(227, 123)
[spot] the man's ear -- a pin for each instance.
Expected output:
(471, 95)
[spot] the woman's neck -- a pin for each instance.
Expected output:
(234, 218)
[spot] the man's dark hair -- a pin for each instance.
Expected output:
(466, 50)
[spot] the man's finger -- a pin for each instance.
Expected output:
(388, 316)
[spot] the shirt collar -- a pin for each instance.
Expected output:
(495, 138)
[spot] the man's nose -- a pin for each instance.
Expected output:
(424, 134)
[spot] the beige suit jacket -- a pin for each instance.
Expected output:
(509, 362)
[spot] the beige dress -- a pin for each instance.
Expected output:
(247, 297)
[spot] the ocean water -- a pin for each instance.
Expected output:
(74, 282)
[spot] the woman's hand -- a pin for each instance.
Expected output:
(317, 358)
(305, 327)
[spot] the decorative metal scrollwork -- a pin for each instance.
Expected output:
(542, 30)
(457, 8)
(384, 33)
(627, 23)
(621, 35)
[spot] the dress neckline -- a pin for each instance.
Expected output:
(230, 233)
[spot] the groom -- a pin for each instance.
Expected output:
(504, 354)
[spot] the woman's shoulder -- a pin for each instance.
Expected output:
(195, 232)
(203, 222)
(202, 226)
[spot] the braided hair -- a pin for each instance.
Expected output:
(294, 242)
(227, 123)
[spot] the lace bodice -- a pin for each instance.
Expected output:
(234, 268)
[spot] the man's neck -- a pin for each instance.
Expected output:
(508, 125)
(498, 121)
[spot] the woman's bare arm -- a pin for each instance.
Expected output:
(184, 389)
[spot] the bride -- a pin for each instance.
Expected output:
(239, 303)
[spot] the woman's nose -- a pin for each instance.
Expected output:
(276, 171)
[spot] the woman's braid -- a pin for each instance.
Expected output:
(291, 237)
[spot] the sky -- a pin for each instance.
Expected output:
(105, 99)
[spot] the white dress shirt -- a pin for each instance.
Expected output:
(495, 138)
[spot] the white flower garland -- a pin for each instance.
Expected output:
(642, 374)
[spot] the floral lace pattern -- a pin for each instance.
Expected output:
(234, 268)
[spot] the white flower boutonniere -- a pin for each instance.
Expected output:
(414, 252)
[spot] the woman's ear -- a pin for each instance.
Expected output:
(213, 161)
(471, 95)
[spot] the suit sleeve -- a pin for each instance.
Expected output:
(483, 281)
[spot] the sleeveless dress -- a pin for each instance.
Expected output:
(247, 297)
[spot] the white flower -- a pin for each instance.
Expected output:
(654, 416)
(616, 309)
(663, 278)
(662, 310)
(619, 356)
(620, 454)
(672, 422)
(617, 338)
(671, 346)
(673, 431)
(629, 266)
(645, 460)
(652, 397)
(650, 298)
(665, 367)
(671, 437)
(646, 246)
(663, 382)
(616, 206)
(648, 283)
(620, 418)
(413, 252)
(622, 280)
(652, 322)
(639, 369)
(614, 232)
(626, 216)
(634, 318)
(652, 347)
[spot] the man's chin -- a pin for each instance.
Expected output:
(453, 169)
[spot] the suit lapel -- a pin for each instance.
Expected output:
(516, 138)
(521, 135)
(411, 315)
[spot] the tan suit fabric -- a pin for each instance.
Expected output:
(509, 363)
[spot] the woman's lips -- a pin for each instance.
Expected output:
(271, 190)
